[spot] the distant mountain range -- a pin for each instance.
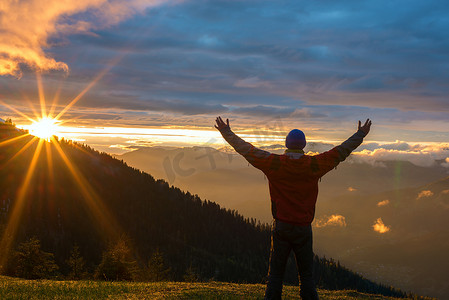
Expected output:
(206, 171)
(67, 194)
(412, 203)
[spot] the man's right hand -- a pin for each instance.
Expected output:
(366, 127)
(222, 125)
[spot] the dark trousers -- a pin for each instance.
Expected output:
(284, 238)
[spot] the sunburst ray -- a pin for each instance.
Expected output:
(33, 110)
(86, 89)
(55, 101)
(27, 145)
(92, 199)
(40, 89)
(12, 225)
(16, 111)
(51, 175)
(14, 139)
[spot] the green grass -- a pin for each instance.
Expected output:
(14, 288)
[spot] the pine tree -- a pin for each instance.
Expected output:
(190, 275)
(33, 263)
(76, 264)
(156, 270)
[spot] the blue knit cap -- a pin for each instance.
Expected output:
(295, 139)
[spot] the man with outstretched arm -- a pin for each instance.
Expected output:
(293, 182)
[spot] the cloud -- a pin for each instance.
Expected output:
(280, 111)
(131, 145)
(374, 153)
(316, 61)
(262, 110)
(243, 54)
(306, 113)
(28, 27)
(398, 145)
(420, 155)
(446, 163)
(416, 157)
(424, 194)
(380, 227)
(333, 220)
(383, 203)
(208, 40)
(173, 105)
(252, 82)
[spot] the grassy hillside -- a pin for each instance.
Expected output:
(13, 288)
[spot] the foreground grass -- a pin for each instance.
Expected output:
(14, 288)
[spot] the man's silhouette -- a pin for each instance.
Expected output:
(293, 182)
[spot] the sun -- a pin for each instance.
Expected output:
(44, 128)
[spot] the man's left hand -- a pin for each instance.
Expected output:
(366, 127)
(222, 125)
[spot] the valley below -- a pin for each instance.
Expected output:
(387, 221)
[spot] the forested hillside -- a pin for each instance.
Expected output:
(68, 195)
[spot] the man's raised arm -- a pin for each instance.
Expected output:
(258, 158)
(328, 160)
(355, 140)
(242, 147)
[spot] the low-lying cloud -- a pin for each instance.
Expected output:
(383, 203)
(333, 220)
(423, 155)
(27, 28)
(380, 227)
(420, 155)
(446, 163)
(424, 194)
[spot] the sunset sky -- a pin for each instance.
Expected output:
(159, 72)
